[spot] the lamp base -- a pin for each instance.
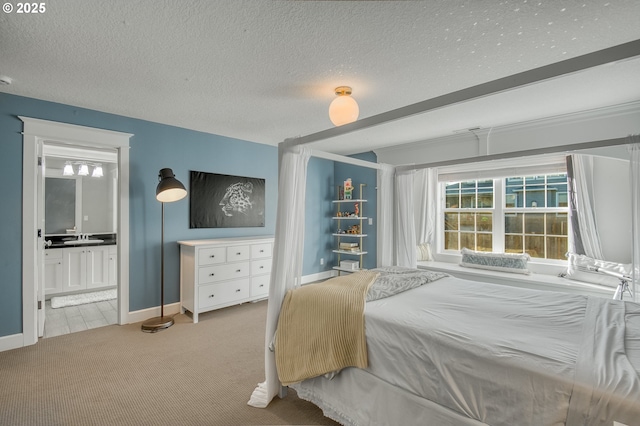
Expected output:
(153, 325)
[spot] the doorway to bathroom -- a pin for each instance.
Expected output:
(80, 238)
(38, 135)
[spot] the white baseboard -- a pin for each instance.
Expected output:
(13, 341)
(145, 314)
(306, 279)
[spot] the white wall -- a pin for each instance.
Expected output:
(612, 191)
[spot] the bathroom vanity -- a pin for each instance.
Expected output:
(75, 264)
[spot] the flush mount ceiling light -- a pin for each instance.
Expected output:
(343, 109)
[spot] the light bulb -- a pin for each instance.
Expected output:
(84, 170)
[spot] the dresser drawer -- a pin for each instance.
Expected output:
(260, 286)
(259, 267)
(222, 293)
(260, 250)
(229, 271)
(212, 256)
(236, 253)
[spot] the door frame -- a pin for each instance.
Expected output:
(35, 133)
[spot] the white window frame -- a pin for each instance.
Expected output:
(542, 165)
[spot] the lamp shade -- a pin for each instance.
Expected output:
(343, 109)
(84, 170)
(169, 188)
(97, 171)
(68, 170)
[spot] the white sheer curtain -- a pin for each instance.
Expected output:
(385, 245)
(405, 234)
(426, 196)
(287, 257)
(586, 239)
(634, 151)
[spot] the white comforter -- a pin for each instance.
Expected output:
(509, 356)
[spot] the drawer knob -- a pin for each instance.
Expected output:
(238, 253)
(261, 285)
(213, 255)
(238, 270)
(211, 274)
(211, 295)
(261, 251)
(238, 290)
(262, 267)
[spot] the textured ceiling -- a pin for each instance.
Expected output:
(265, 70)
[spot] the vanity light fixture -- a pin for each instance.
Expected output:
(84, 170)
(343, 109)
(97, 171)
(169, 189)
(68, 170)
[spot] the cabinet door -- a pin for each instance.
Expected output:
(52, 276)
(97, 267)
(74, 273)
(113, 266)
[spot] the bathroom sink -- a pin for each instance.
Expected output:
(77, 242)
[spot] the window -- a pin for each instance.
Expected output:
(516, 214)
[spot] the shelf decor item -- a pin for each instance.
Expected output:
(169, 189)
(348, 189)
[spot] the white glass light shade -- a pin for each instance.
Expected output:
(97, 171)
(68, 170)
(84, 170)
(343, 110)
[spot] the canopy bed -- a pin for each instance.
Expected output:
(450, 351)
(467, 352)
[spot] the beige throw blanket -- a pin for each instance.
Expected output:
(321, 328)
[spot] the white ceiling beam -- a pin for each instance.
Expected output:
(536, 75)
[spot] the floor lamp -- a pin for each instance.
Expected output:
(169, 189)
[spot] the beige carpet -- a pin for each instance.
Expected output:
(189, 374)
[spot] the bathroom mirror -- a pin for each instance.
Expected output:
(78, 201)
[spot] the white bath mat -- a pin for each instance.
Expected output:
(80, 299)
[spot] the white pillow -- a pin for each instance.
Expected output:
(504, 262)
(581, 267)
(424, 252)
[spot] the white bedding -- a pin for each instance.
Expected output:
(496, 355)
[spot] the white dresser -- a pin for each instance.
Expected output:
(227, 271)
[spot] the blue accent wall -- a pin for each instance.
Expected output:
(153, 146)
(318, 241)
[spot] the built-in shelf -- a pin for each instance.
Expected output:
(349, 235)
